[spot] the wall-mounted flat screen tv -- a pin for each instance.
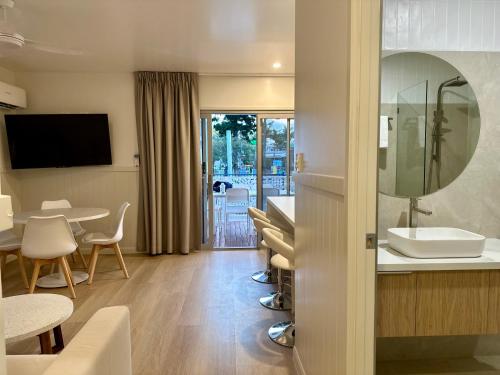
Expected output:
(58, 140)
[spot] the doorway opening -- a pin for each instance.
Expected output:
(246, 157)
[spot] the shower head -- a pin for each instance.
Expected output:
(454, 82)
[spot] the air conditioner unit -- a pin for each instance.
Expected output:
(12, 97)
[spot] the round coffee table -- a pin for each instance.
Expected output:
(74, 214)
(30, 315)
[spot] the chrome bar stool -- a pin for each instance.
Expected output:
(279, 300)
(282, 333)
(267, 276)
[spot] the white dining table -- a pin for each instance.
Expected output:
(74, 214)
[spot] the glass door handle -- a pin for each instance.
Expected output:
(210, 183)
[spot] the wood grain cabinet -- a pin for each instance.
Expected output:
(494, 303)
(438, 303)
(397, 299)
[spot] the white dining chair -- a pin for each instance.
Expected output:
(48, 240)
(76, 227)
(10, 244)
(105, 240)
(237, 203)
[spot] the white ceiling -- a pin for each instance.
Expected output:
(206, 36)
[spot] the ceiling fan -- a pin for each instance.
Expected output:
(11, 40)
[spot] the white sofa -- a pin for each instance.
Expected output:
(102, 347)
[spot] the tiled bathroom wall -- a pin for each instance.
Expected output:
(472, 201)
(441, 25)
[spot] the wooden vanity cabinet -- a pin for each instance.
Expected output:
(494, 303)
(397, 298)
(438, 303)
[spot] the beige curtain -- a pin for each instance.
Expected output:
(168, 128)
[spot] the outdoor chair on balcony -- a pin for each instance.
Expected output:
(268, 192)
(237, 203)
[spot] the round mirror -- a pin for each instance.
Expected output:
(429, 124)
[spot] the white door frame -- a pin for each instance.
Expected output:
(209, 172)
(362, 141)
(260, 115)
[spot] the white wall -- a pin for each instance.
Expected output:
(322, 74)
(321, 112)
(113, 93)
(246, 93)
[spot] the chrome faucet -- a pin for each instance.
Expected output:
(413, 218)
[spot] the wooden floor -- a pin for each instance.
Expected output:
(197, 314)
(235, 235)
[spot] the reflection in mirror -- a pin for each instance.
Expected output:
(429, 124)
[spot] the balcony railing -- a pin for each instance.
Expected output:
(249, 181)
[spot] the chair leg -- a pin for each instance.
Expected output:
(70, 272)
(118, 253)
(52, 268)
(73, 259)
(20, 260)
(93, 262)
(63, 263)
(82, 258)
(34, 277)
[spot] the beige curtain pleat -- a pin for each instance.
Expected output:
(168, 129)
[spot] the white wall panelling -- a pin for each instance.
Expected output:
(321, 112)
(336, 110)
(106, 187)
(321, 275)
(441, 25)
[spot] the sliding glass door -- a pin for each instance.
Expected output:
(234, 168)
(206, 182)
(246, 157)
(277, 157)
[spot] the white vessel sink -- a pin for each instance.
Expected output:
(436, 242)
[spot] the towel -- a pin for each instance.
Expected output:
(422, 127)
(384, 132)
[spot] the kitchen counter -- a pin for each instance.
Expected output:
(390, 260)
(281, 210)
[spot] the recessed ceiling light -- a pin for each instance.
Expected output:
(277, 65)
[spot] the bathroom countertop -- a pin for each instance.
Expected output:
(390, 260)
